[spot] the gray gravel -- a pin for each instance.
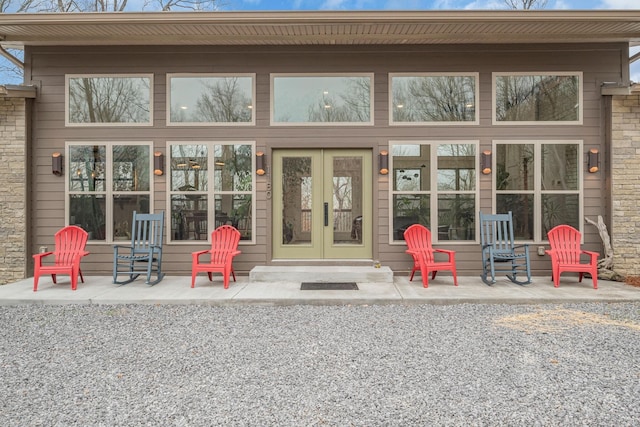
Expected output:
(459, 365)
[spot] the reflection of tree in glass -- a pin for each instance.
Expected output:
(350, 106)
(537, 98)
(130, 168)
(109, 100)
(224, 101)
(434, 99)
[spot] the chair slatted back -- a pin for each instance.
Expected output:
(565, 241)
(224, 240)
(69, 241)
(497, 231)
(147, 231)
(418, 238)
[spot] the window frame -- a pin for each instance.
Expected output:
(211, 192)
(68, 77)
(109, 192)
(252, 122)
(476, 120)
(538, 192)
(273, 76)
(433, 192)
(494, 98)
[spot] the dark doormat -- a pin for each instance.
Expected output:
(329, 286)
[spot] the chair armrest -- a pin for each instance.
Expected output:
(196, 255)
(451, 254)
(39, 256)
(593, 255)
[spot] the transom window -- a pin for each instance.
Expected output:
(540, 182)
(109, 100)
(433, 98)
(210, 99)
(322, 99)
(554, 98)
(106, 182)
(197, 207)
(434, 184)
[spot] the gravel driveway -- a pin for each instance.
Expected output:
(380, 365)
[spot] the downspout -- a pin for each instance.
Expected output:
(11, 58)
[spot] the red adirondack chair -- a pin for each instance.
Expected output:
(565, 255)
(418, 238)
(224, 246)
(70, 243)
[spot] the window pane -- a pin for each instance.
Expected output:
(559, 209)
(531, 98)
(211, 99)
(88, 212)
(411, 166)
(456, 217)
(433, 98)
(560, 163)
(316, 99)
(410, 209)
(522, 207)
(515, 167)
(456, 167)
(189, 167)
(232, 168)
(235, 210)
(123, 207)
(189, 217)
(87, 168)
(109, 100)
(131, 168)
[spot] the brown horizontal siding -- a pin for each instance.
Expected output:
(598, 63)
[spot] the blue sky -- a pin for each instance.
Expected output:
(414, 4)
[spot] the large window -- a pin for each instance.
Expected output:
(210, 99)
(434, 184)
(106, 182)
(114, 100)
(322, 99)
(433, 99)
(554, 98)
(211, 184)
(540, 182)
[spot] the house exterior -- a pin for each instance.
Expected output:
(322, 135)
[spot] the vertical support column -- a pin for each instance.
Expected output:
(13, 197)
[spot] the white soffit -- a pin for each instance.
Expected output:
(320, 28)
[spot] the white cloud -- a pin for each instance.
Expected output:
(620, 4)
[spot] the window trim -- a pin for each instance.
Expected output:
(476, 121)
(109, 192)
(211, 192)
(200, 124)
(67, 77)
(537, 176)
(433, 201)
(494, 98)
(273, 76)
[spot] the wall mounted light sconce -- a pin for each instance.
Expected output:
(158, 163)
(593, 160)
(260, 163)
(383, 160)
(485, 162)
(56, 164)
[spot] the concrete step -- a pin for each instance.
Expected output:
(358, 274)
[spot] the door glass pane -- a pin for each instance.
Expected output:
(347, 200)
(296, 200)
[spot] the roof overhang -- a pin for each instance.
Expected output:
(320, 28)
(17, 91)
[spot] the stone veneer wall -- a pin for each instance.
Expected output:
(13, 191)
(625, 180)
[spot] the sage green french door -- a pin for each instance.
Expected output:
(322, 204)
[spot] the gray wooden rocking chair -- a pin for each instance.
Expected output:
(144, 255)
(499, 253)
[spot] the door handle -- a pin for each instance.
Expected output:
(326, 214)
